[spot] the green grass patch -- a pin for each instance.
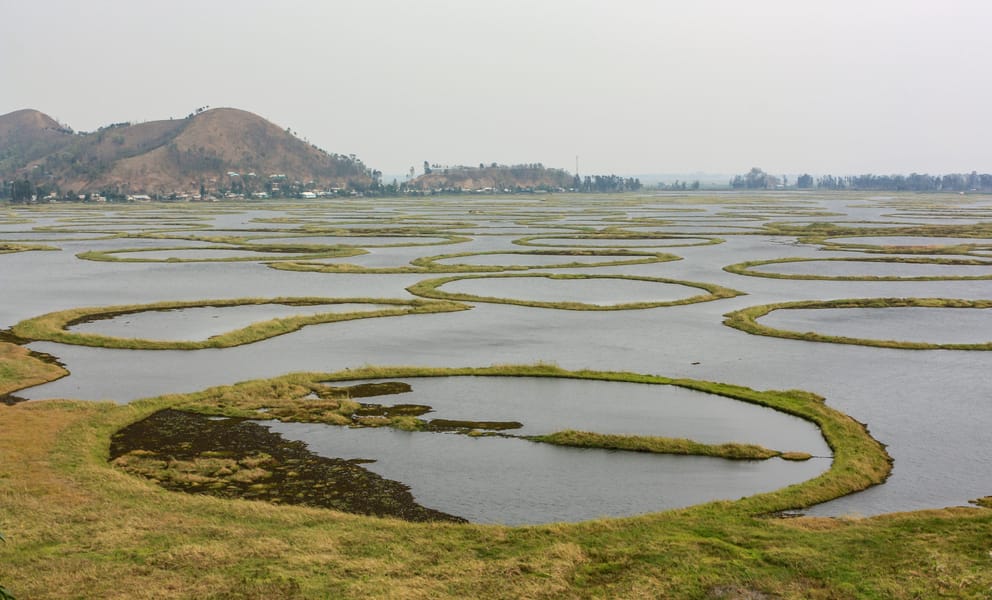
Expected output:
(10, 247)
(658, 445)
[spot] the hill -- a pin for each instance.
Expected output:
(494, 177)
(219, 150)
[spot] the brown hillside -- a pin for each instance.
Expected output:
(27, 121)
(168, 156)
(26, 135)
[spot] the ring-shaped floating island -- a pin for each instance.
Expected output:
(747, 320)
(430, 289)
(431, 239)
(907, 244)
(750, 268)
(858, 460)
(432, 264)
(302, 252)
(53, 327)
(619, 239)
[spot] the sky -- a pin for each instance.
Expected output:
(627, 86)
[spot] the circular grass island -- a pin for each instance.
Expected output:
(218, 253)
(747, 320)
(619, 239)
(569, 259)
(430, 289)
(858, 460)
(54, 327)
(958, 265)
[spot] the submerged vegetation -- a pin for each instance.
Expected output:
(747, 320)
(52, 327)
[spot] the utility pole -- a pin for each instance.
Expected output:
(576, 164)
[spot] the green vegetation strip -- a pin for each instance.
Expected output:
(52, 327)
(663, 445)
(747, 320)
(10, 248)
(429, 289)
(430, 264)
(748, 268)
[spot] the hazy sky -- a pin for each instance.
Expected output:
(630, 86)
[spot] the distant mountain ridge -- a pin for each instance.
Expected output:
(221, 149)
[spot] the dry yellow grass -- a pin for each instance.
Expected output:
(79, 528)
(18, 369)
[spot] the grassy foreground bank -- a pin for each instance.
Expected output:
(77, 527)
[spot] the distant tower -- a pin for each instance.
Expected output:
(576, 164)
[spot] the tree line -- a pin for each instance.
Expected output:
(914, 182)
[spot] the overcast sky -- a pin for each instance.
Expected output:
(630, 86)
